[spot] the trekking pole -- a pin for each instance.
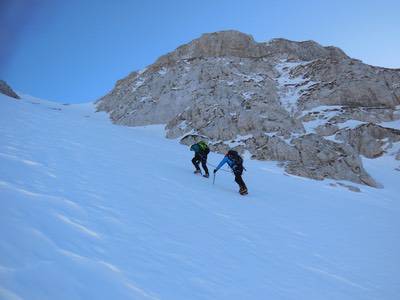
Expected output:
(214, 179)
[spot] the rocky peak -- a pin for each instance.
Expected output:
(217, 44)
(306, 50)
(233, 43)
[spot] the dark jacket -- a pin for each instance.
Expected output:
(197, 150)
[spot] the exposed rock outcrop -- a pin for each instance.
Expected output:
(321, 159)
(310, 106)
(370, 140)
(7, 90)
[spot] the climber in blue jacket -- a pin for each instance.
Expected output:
(235, 162)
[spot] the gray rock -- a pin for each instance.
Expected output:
(370, 139)
(7, 90)
(320, 158)
(351, 83)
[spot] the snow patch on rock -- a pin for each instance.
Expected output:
(290, 88)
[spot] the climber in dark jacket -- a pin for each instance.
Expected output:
(201, 151)
(233, 159)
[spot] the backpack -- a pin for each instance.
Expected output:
(203, 147)
(236, 158)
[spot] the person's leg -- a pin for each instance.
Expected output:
(239, 180)
(204, 164)
(195, 162)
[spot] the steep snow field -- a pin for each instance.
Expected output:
(90, 210)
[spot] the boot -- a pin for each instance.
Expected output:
(243, 190)
(197, 172)
(206, 175)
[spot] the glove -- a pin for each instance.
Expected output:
(215, 171)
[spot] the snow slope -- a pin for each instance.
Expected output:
(90, 210)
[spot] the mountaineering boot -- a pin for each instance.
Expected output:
(206, 175)
(197, 172)
(243, 190)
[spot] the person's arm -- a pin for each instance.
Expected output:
(223, 161)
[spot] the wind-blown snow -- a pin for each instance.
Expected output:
(239, 140)
(391, 124)
(291, 88)
(350, 124)
(328, 111)
(247, 95)
(163, 71)
(89, 210)
(139, 82)
(322, 115)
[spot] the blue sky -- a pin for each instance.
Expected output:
(74, 51)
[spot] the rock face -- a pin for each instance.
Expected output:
(311, 107)
(370, 140)
(7, 90)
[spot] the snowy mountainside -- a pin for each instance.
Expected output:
(90, 210)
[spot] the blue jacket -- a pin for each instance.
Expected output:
(225, 160)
